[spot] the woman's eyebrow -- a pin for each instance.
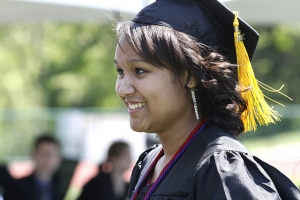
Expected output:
(130, 61)
(134, 60)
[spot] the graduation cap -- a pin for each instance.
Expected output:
(208, 20)
(214, 25)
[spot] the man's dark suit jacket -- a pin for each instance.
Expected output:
(26, 189)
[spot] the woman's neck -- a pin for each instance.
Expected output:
(171, 143)
(173, 138)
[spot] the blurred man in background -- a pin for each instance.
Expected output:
(42, 184)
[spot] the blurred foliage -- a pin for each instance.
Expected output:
(276, 60)
(57, 65)
(51, 65)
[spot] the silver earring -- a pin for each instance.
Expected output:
(195, 104)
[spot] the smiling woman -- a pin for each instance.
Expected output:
(179, 75)
(152, 108)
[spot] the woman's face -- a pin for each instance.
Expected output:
(155, 101)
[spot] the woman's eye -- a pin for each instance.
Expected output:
(120, 71)
(139, 71)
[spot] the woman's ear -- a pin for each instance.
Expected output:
(191, 82)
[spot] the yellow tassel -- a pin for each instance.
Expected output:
(257, 108)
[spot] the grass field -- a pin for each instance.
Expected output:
(284, 138)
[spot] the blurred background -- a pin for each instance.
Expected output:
(57, 75)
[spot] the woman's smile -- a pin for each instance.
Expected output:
(134, 106)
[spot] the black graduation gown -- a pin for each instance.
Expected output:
(215, 166)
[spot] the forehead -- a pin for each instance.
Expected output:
(124, 49)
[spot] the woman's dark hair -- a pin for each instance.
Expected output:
(217, 91)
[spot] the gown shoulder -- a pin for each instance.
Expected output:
(227, 170)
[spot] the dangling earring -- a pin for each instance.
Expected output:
(195, 103)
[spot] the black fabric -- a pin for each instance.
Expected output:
(100, 188)
(215, 166)
(6, 181)
(209, 21)
(284, 186)
(26, 189)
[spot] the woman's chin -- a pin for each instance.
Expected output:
(137, 127)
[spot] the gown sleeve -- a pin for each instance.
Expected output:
(232, 175)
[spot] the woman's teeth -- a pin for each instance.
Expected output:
(135, 106)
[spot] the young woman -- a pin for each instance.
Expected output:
(177, 79)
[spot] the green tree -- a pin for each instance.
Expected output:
(51, 65)
(276, 60)
(57, 65)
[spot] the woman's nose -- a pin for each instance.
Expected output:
(125, 86)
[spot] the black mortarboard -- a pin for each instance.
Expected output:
(208, 20)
